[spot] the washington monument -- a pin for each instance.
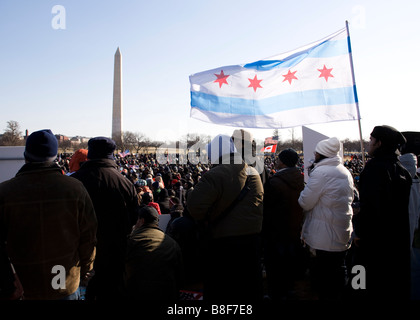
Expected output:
(117, 99)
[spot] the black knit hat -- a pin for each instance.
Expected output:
(289, 157)
(390, 137)
(41, 146)
(100, 148)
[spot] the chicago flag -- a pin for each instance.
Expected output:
(312, 84)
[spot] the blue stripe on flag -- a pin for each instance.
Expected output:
(327, 49)
(283, 102)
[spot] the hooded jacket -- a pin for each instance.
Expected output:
(327, 200)
(47, 219)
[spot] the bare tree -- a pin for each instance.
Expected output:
(296, 144)
(139, 141)
(128, 141)
(64, 145)
(12, 134)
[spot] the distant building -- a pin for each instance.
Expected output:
(61, 138)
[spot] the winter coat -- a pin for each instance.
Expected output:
(382, 225)
(115, 200)
(47, 219)
(176, 212)
(327, 200)
(154, 266)
(283, 216)
(163, 201)
(218, 188)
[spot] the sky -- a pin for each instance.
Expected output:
(58, 73)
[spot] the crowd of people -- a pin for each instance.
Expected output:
(234, 232)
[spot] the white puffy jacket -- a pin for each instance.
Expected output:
(326, 200)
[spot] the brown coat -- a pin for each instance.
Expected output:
(154, 265)
(47, 219)
(217, 189)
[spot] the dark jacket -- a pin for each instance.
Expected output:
(184, 231)
(163, 201)
(154, 266)
(176, 212)
(283, 217)
(115, 200)
(47, 219)
(382, 225)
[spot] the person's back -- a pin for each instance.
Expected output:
(185, 232)
(284, 255)
(232, 256)
(154, 265)
(327, 228)
(48, 222)
(248, 212)
(283, 216)
(115, 200)
(328, 197)
(382, 224)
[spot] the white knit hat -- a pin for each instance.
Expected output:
(328, 147)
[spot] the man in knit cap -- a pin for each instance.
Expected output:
(115, 200)
(48, 224)
(76, 160)
(382, 236)
(327, 228)
(283, 217)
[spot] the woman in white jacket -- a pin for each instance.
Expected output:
(327, 228)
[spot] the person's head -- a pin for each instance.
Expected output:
(101, 148)
(174, 201)
(163, 194)
(147, 197)
(77, 158)
(147, 215)
(244, 143)
(41, 146)
(385, 140)
(220, 146)
(327, 148)
(156, 186)
(287, 158)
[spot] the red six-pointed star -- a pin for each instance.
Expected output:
(289, 76)
(221, 78)
(325, 72)
(254, 83)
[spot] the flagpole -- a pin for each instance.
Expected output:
(355, 95)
